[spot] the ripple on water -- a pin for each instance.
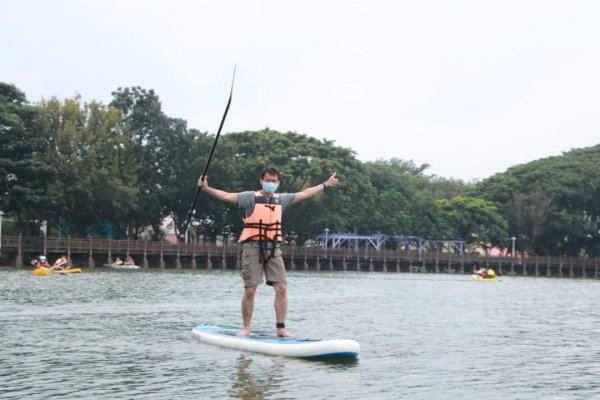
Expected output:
(106, 335)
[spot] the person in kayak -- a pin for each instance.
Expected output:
(60, 263)
(481, 272)
(129, 261)
(490, 273)
(41, 262)
(261, 237)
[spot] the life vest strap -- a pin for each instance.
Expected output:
(263, 229)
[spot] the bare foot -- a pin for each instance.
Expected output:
(243, 333)
(282, 333)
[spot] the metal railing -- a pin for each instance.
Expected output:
(90, 250)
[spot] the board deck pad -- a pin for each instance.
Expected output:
(257, 334)
(266, 341)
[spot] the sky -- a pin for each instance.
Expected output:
(469, 87)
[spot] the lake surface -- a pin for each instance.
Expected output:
(127, 334)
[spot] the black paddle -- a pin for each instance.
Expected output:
(192, 207)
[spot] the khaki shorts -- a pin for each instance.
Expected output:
(253, 268)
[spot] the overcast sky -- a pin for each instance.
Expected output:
(469, 87)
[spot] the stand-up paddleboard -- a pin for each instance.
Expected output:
(268, 343)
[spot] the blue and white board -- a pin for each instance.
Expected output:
(268, 343)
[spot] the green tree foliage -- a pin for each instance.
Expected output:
(564, 191)
(157, 144)
(406, 200)
(478, 222)
(445, 188)
(185, 171)
(395, 182)
(96, 188)
(304, 162)
(527, 214)
(24, 177)
(90, 168)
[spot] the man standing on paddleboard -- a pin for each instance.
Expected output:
(261, 238)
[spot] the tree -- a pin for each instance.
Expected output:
(571, 183)
(24, 177)
(445, 188)
(304, 162)
(156, 140)
(526, 215)
(476, 221)
(406, 200)
(184, 173)
(96, 190)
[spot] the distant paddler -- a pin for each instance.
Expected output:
(61, 263)
(119, 264)
(484, 274)
(41, 262)
(42, 267)
(481, 271)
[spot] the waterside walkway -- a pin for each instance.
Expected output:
(90, 252)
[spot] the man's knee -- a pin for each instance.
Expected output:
(280, 288)
(249, 292)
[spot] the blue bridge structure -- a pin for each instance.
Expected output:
(378, 241)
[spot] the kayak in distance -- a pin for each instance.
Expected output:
(68, 271)
(47, 271)
(479, 278)
(269, 343)
(122, 266)
(41, 272)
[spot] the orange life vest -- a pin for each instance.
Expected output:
(264, 224)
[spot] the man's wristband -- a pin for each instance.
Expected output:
(323, 187)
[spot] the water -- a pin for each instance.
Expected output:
(116, 334)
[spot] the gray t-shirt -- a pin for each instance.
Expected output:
(246, 201)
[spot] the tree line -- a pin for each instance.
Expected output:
(120, 169)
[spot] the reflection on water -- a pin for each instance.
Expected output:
(260, 376)
(251, 382)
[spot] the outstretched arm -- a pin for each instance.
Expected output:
(313, 191)
(216, 193)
